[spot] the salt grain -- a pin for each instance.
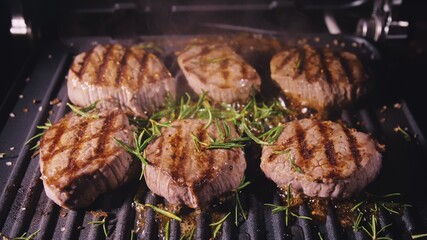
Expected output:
(23, 209)
(21, 96)
(12, 148)
(397, 106)
(62, 229)
(40, 108)
(12, 115)
(27, 79)
(9, 163)
(25, 110)
(49, 56)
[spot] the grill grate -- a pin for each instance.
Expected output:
(24, 207)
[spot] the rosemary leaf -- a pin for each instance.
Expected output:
(294, 165)
(164, 212)
(29, 237)
(218, 224)
(83, 112)
(167, 230)
(416, 236)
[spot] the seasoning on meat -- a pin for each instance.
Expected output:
(129, 77)
(79, 158)
(322, 159)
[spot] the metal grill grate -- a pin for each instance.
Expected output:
(24, 207)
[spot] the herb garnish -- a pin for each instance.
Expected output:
(218, 224)
(84, 112)
(101, 222)
(416, 236)
(405, 135)
(167, 227)
(238, 205)
(189, 234)
(163, 212)
(22, 237)
(44, 127)
(288, 212)
(293, 164)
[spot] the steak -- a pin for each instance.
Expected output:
(322, 159)
(184, 172)
(319, 78)
(79, 158)
(130, 77)
(219, 71)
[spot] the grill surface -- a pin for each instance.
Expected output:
(24, 206)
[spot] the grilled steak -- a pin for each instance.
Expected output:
(218, 70)
(79, 158)
(318, 78)
(184, 172)
(132, 78)
(321, 158)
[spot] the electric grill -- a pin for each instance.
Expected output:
(38, 92)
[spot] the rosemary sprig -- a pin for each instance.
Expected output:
(44, 127)
(286, 208)
(25, 237)
(132, 234)
(266, 138)
(209, 61)
(167, 228)
(320, 236)
(238, 205)
(416, 236)
(138, 151)
(151, 46)
(163, 212)
(218, 225)
(405, 134)
(102, 223)
(293, 164)
(84, 112)
(189, 235)
(373, 227)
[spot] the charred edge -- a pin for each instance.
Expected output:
(104, 134)
(302, 60)
(175, 141)
(101, 70)
(302, 144)
(352, 142)
(287, 59)
(76, 147)
(123, 65)
(86, 61)
(224, 68)
(346, 67)
(324, 63)
(329, 145)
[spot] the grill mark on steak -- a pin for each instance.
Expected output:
(123, 66)
(101, 70)
(75, 150)
(312, 62)
(143, 69)
(329, 145)
(204, 51)
(104, 134)
(207, 157)
(352, 142)
(224, 67)
(54, 141)
(175, 141)
(286, 60)
(324, 63)
(346, 67)
(202, 78)
(301, 66)
(303, 149)
(85, 62)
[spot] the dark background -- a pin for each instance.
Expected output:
(403, 69)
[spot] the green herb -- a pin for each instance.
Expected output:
(320, 236)
(141, 142)
(167, 230)
(83, 112)
(207, 106)
(238, 205)
(132, 234)
(164, 212)
(405, 135)
(188, 235)
(266, 138)
(294, 165)
(168, 110)
(286, 208)
(44, 127)
(282, 152)
(25, 237)
(151, 46)
(218, 225)
(356, 225)
(186, 109)
(373, 228)
(416, 236)
(102, 223)
(209, 61)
